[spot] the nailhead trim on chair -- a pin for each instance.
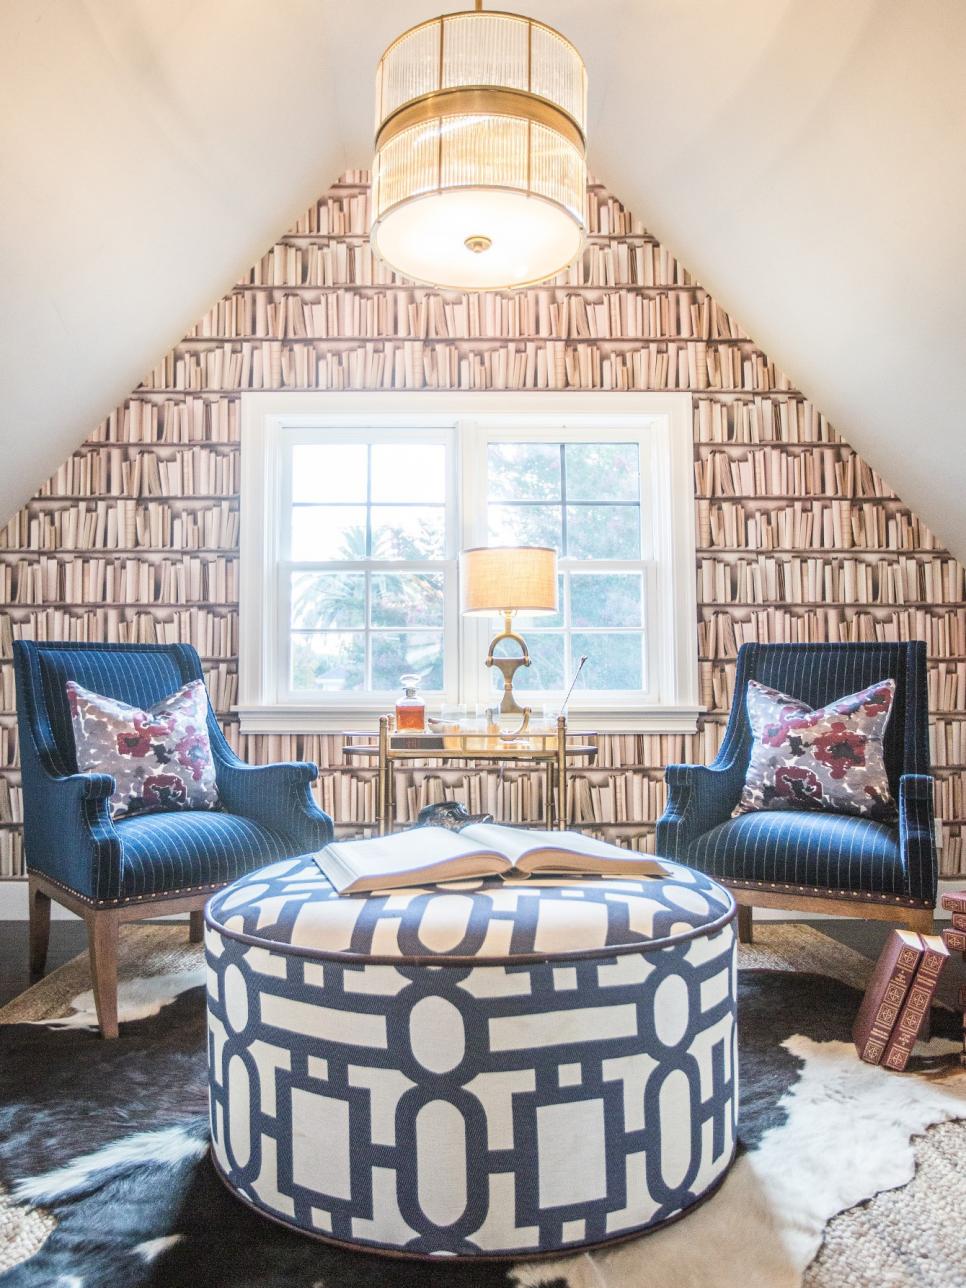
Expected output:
(823, 892)
(124, 903)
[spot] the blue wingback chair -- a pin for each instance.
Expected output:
(809, 860)
(111, 871)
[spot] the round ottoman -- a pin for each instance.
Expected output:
(484, 1068)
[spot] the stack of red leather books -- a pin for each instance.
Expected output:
(955, 940)
(898, 997)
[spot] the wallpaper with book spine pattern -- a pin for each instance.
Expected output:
(135, 537)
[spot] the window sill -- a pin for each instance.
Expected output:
(282, 719)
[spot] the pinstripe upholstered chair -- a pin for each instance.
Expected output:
(149, 865)
(818, 862)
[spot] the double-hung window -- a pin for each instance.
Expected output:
(353, 514)
(584, 498)
(366, 582)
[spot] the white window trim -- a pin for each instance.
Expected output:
(667, 472)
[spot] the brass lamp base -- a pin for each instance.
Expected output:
(508, 667)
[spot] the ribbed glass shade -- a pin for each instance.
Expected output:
(479, 178)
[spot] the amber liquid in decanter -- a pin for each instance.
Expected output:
(410, 709)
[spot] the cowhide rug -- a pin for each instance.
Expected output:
(105, 1180)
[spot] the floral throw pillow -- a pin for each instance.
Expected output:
(830, 759)
(161, 759)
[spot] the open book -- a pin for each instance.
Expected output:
(427, 854)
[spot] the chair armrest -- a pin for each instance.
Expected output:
(68, 831)
(917, 835)
(699, 798)
(277, 796)
(85, 787)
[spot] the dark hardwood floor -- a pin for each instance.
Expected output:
(67, 939)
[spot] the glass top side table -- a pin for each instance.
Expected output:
(547, 749)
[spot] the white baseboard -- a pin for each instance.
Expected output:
(13, 906)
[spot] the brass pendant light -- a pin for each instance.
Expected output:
(480, 174)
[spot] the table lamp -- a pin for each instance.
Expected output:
(503, 580)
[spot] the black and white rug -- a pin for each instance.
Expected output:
(105, 1180)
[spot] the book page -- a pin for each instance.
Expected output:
(515, 842)
(387, 856)
(519, 844)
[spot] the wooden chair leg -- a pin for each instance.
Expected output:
(102, 938)
(39, 913)
(745, 922)
(196, 928)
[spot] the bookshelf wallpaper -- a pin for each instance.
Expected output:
(135, 537)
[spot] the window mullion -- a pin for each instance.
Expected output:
(568, 654)
(281, 630)
(369, 500)
(564, 543)
(367, 620)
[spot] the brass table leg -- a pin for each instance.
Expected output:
(562, 773)
(382, 783)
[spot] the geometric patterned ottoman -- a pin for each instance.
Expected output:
(481, 1069)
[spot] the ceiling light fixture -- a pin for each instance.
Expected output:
(480, 174)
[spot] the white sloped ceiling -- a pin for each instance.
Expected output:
(804, 158)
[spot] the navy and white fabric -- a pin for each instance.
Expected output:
(481, 1068)
(835, 851)
(197, 847)
(839, 855)
(69, 836)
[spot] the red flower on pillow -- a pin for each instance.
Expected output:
(192, 752)
(133, 742)
(792, 783)
(848, 706)
(792, 716)
(785, 732)
(840, 748)
(878, 701)
(872, 701)
(153, 726)
(163, 791)
(775, 733)
(806, 719)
